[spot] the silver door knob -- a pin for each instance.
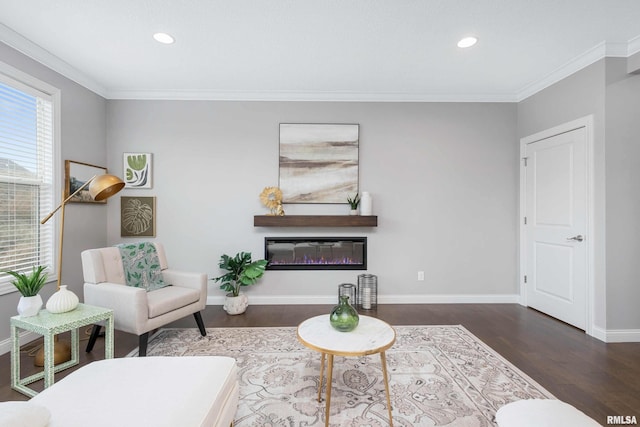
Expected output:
(577, 238)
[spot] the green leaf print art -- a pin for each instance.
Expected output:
(137, 170)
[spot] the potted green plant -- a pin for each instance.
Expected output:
(29, 286)
(354, 202)
(241, 271)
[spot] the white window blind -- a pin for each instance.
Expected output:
(26, 179)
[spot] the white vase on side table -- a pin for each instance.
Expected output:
(62, 301)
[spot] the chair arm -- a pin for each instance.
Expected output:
(129, 304)
(185, 279)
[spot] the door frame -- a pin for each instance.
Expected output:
(586, 123)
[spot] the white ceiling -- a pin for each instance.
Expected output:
(379, 50)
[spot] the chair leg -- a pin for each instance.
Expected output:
(198, 317)
(142, 344)
(95, 332)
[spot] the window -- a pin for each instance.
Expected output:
(26, 176)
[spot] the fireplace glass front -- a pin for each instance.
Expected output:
(316, 253)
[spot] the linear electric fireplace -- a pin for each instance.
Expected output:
(316, 253)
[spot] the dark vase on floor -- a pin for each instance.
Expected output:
(344, 317)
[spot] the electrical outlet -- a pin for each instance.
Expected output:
(421, 275)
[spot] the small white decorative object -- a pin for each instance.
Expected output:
(62, 301)
(29, 306)
(366, 204)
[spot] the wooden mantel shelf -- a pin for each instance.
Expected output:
(315, 221)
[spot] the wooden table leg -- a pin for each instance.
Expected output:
(329, 380)
(321, 377)
(383, 359)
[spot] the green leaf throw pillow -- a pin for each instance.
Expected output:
(141, 266)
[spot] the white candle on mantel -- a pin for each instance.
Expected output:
(366, 298)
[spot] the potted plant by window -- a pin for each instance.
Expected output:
(29, 285)
(241, 271)
(354, 202)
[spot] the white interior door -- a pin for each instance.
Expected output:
(556, 225)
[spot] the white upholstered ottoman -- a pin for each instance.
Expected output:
(145, 391)
(542, 413)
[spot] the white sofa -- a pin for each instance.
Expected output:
(542, 413)
(199, 391)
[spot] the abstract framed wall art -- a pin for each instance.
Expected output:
(137, 168)
(76, 174)
(137, 216)
(318, 162)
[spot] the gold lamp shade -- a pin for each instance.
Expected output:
(104, 186)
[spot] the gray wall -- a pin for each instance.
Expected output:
(83, 138)
(623, 195)
(443, 177)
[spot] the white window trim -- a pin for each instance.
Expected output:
(28, 83)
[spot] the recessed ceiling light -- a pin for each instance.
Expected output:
(467, 42)
(163, 38)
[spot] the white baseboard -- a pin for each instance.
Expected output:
(622, 335)
(599, 333)
(382, 299)
(25, 337)
(449, 299)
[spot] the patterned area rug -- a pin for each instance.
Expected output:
(438, 376)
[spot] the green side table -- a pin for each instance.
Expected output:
(49, 325)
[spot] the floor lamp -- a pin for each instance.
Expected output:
(101, 187)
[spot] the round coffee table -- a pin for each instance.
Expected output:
(370, 337)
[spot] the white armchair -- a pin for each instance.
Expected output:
(135, 310)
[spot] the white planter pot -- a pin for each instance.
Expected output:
(29, 306)
(236, 305)
(353, 212)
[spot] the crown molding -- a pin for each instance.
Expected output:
(46, 58)
(32, 50)
(616, 50)
(589, 57)
(633, 46)
(306, 96)
(596, 53)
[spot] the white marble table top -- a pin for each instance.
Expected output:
(369, 337)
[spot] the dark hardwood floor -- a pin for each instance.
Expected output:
(599, 379)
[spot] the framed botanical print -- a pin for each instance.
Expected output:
(137, 168)
(137, 216)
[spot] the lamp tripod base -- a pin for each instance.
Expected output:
(61, 353)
